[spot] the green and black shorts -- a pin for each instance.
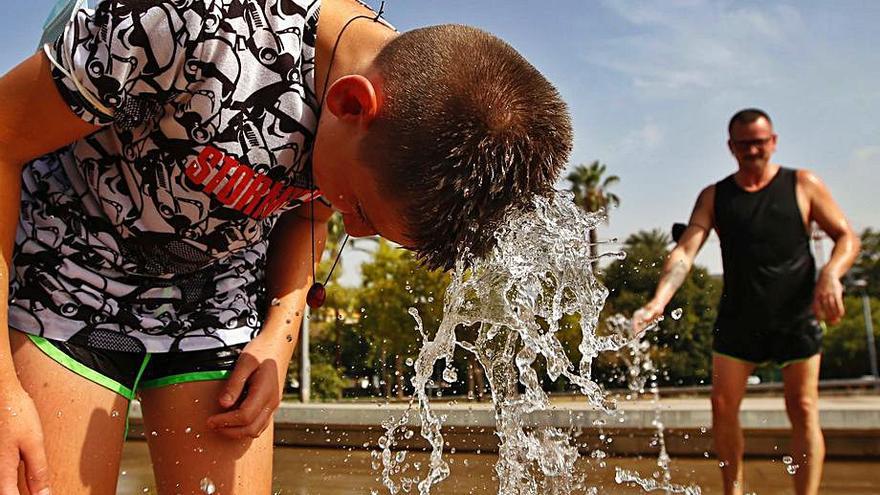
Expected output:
(127, 372)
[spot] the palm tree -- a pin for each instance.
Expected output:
(590, 187)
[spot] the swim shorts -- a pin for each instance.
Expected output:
(127, 372)
(783, 346)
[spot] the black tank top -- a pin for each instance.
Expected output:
(769, 271)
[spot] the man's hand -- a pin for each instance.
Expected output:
(646, 315)
(21, 439)
(253, 389)
(828, 298)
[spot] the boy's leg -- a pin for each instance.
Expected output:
(185, 452)
(802, 403)
(728, 388)
(83, 435)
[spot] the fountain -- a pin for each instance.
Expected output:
(515, 298)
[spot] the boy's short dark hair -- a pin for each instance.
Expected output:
(468, 128)
(747, 116)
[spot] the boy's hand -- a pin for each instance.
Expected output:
(645, 316)
(21, 439)
(253, 389)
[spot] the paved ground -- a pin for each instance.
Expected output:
(341, 472)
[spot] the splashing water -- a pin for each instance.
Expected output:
(640, 369)
(515, 298)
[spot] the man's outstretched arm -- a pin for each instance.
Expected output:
(680, 260)
(828, 294)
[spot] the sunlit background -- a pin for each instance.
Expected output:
(651, 85)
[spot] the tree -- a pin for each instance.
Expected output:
(590, 188)
(393, 282)
(844, 347)
(867, 265)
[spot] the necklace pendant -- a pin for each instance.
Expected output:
(316, 295)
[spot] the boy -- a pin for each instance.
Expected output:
(175, 141)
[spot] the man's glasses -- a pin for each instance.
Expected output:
(746, 144)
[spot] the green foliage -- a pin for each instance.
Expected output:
(590, 186)
(867, 265)
(327, 381)
(393, 282)
(683, 347)
(845, 344)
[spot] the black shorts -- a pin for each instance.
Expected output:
(783, 346)
(127, 372)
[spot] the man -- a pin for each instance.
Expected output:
(153, 159)
(772, 298)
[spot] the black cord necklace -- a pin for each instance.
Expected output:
(317, 292)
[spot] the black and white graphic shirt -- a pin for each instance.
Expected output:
(151, 234)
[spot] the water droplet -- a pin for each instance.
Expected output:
(676, 313)
(791, 468)
(207, 486)
(114, 413)
(409, 361)
(275, 301)
(450, 375)
(787, 459)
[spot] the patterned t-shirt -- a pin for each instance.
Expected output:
(151, 234)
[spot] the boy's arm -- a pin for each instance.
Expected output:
(263, 363)
(828, 294)
(34, 120)
(289, 266)
(680, 260)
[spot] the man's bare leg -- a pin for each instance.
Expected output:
(802, 403)
(83, 423)
(728, 388)
(186, 453)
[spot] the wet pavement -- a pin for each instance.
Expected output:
(300, 471)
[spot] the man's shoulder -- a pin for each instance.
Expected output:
(807, 179)
(706, 198)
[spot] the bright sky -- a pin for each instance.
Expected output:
(652, 84)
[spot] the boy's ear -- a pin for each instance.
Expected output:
(353, 98)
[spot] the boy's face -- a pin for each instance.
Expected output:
(351, 186)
